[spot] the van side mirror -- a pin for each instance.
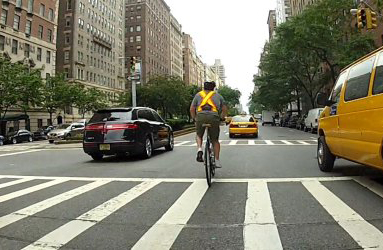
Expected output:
(322, 99)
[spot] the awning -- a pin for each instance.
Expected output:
(15, 117)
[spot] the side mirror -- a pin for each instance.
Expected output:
(322, 99)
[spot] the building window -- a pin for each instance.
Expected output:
(138, 28)
(50, 37)
(67, 39)
(68, 4)
(138, 17)
(131, 39)
(66, 73)
(50, 15)
(19, 3)
(30, 6)
(28, 27)
(48, 57)
(4, 15)
(39, 123)
(40, 32)
(138, 7)
(67, 21)
(42, 10)
(16, 22)
(27, 48)
(131, 29)
(39, 53)
(66, 56)
(15, 45)
(2, 42)
(138, 38)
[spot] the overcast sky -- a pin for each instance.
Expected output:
(233, 31)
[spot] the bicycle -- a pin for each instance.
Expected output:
(209, 158)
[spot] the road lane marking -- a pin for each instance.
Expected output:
(181, 143)
(251, 142)
(314, 138)
(15, 182)
(29, 190)
(260, 230)
(365, 234)
(45, 204)
(166, 230)
(21, 152)
(268, 142)
(287, 142)
(304, 143)
(233, 142)
(185, 180)
(62, 235)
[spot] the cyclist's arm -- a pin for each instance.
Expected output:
(193, 112)
(224, 111)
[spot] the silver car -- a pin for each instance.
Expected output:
(65, 131)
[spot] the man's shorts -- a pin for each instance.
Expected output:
(208, 119)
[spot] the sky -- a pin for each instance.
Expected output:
(233, 31)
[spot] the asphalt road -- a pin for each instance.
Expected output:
(270, 194)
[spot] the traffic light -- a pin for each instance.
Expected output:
(372, 21)
(361, 18)
(132, 64)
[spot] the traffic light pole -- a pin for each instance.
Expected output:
(134, 93)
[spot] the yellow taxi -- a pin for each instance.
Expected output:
(351, 125)
(243, 125)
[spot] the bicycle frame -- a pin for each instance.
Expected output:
(209, 159)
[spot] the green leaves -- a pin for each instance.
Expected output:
(231, 97)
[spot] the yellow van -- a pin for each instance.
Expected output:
(351, 125)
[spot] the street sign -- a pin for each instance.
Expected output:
(135, 77)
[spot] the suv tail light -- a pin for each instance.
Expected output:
(121, 126)
(95, 127)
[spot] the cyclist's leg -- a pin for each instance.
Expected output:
(214, 136)
(200, 120)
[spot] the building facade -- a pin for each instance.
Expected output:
(28, 31)
(211, 75)
(219, 68)
(147, 36)
(91, 45)
(190, 63)
(272, 23)
(297, 6)
(283, 11)
(176, 67)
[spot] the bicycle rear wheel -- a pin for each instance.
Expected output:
(207, 162)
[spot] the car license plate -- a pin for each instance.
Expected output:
(104, 147)
(243, 126)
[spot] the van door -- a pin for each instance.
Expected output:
(352, 111)
(330, 121)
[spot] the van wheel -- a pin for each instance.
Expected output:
(147, 149)
(170, 145)
(325, 158)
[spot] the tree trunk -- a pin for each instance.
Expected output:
(50, 118)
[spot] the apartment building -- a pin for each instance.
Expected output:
(28, 34)
(147, 36)
(272, 23)
(283, 11)
(297, 6)
(219, 68)
(190, 63)
(176, 67)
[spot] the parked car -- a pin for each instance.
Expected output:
(40, 135)
(118, 131)
(351, 125)
(18, 136)
(2, 140)
(285, 120)
(243, 125)
(311, 122)
(292, 123)
(65, 131)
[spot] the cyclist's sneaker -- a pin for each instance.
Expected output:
(199, 156)
(218, 164)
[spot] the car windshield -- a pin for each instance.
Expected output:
(243, 119)
(109, 115)
(63, 126)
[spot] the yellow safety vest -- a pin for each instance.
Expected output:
(207, 99)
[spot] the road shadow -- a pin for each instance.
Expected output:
(127, 158)
(358, 170)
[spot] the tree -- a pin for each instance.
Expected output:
(88, 99)
(55, 94)
(8, 95)
(124, 99)
(231, 96)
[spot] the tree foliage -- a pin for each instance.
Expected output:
(308, 53)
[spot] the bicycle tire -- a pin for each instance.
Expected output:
(212, 161)
(207, 163)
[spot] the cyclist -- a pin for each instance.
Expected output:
(207, 108)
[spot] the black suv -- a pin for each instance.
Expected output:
(117, 131)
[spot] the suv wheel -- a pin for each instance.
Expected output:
(170, 145)
(30, 139)
(325, 158)
(97, 157)
(14, 141)
(148, 149)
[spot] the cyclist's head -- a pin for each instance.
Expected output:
(209, 86)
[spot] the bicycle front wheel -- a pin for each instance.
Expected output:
(207, 163)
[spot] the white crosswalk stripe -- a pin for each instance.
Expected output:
(254, 143)
(260, 227)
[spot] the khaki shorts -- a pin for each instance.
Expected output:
(208, 119)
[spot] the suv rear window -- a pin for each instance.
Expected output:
(111, 115)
